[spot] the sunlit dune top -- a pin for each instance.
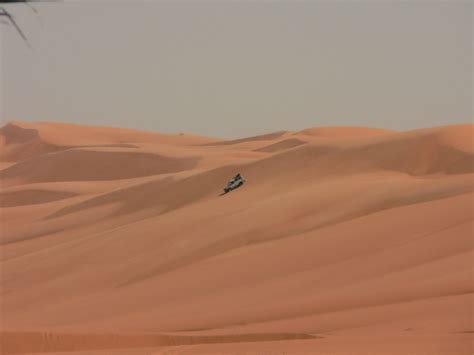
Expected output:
(344, 132)
(460, 136)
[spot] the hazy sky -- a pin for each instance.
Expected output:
(240, 68)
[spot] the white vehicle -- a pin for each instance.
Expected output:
(236, 182)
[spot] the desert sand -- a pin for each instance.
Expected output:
(343, 240)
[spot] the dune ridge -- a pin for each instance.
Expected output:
(343, 240)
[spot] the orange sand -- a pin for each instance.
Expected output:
(344, 240)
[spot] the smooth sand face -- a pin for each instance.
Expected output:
(343, 241)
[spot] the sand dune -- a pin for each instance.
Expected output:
(344, 132)
(344, 240)
(63, 134)
(31, 197)
(92, 165)
(282, 145)
(23, 140)
(262, 137)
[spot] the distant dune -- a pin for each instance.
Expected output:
(344, 132)
(343, 240)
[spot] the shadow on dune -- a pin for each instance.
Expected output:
(268, 136)
(90, 165)
(21, 342)
(32, 197)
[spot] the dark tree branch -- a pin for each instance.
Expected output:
(6, 14)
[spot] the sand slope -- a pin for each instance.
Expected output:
(344, 240)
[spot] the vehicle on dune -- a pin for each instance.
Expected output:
(237, 181)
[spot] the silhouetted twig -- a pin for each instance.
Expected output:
(6, 14)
